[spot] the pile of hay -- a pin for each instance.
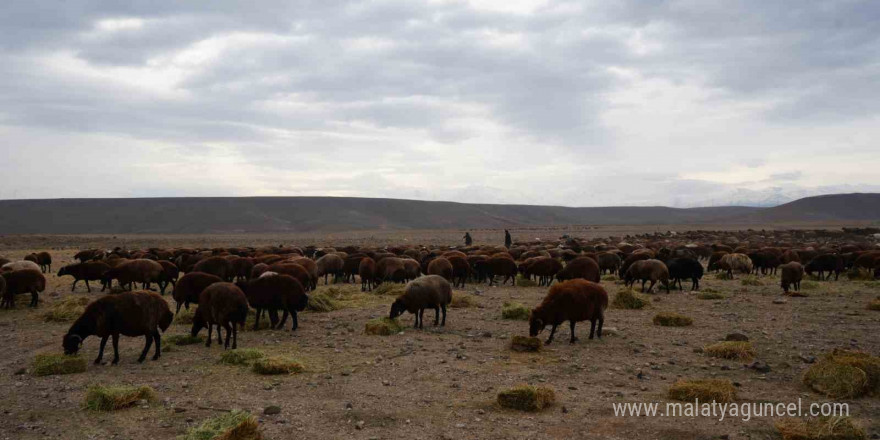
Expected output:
(185, 316)
(819, 428)
(516, 311)
(707, 390)
(182, 339)
(49, 364)
(390, 289)
(669, 319)
(844, 374)
(628, 299)
(874, 304)
(382, 327)
(751, 280)
(527, 398)
(251, 319)
(277, 365)
(463, 300)
(110, 398)
(809, 284)
(710, 294)
(322, 302)
(235, 425)
(738, 350)
(609, 278)
(723, 276)
(241, 356)
(525, 343)
(66, 310)
(860, 274)
(522, 281)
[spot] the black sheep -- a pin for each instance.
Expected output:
(683, 269)
(87, 271)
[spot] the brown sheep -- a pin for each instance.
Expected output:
(639, 256)
(87, 271)
(792, 274)
(217, 266)
(390, 269)
(412, 269)
(440, 266)
(19, 265)
(367, 272)
(648, 270)
(545, 268)
(330, 264)
(714, 263)
(23, 281)
(137, 313)
(170, 274)
(311, 267)
(272, 292)
(223, 305)
(242, 266)
(351, 267)
(141, 270)
(735, 262)
(499, 266)
(580, 267)
(789, 256)
(426, 292)
(460, 270)
(608, 261)
(294, 270)
(258, 270)
(573, 301)
(190, 286)
(42, 259)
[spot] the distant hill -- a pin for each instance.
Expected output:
(328, 214)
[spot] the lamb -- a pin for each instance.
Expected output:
(137, 313)
(581, 267)
(460, 270)
(573, 301)
(330, 264)
(685, 268)
(190, 286)
(735, 261)
(273, 292)
(647, 270)
(792, 274)
(141, 270)
(217, 266)
(830, 263)
(367, 272)
(169, 275)
(426, 292)
(87, 271)
(223, 305)
(23, 281)
(440, 266)
(545, 268)
(19, 265)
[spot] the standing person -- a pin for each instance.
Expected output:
(467, 239)
(507, 240)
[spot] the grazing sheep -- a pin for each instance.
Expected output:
(23, 281)
(273, 292)
(137, 313)
(735, 262)
(190, 286)
(42, 259)
(647, 270)
(242, 266)
(830, 263)
(683, 269)
(351, 267)
(411, 268)
(19, 265)
(426, 292)
(789, 256)
(88, 254)
(765, 262)
(223, 305)
(581, 267)
(608, 261)
(573, 301)
(792, 274)
(217, 266)
(141, 270)
(390, 269)
(714, 263)
(630, 260)
(545, 268)
(440, 266)
(311, 267)
(258, 270)
(367, 272)
(86, 271)
(460, 270)
(499, 266)
(169, 275)
(330, 264)
(294, 270)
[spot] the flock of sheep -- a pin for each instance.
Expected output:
(227, 282)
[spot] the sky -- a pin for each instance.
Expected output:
(577, 103)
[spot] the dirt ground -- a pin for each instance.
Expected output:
(438, 382)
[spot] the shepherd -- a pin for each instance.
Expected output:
(507, 240)
(467, 239)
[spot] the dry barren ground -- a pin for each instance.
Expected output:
(442, 382)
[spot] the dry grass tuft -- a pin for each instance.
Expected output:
(860, 274)
(51, 364)
(185, 316)
(241, 356)
(463, 300)
(235, 425)
(527, 398)
(751, 280)
(609, 278)
(723, 276)
(110, 398)
(525, 343)
(710, 294)
(66, 310)
(738, 350)
(522, 281)
(515, 311)
(382, 327)
(845, 374)
(718, 390)
(321, 302)
(819, 428)
(874, 304)
(628, 299)
(669, 319)
(182, 339)
(277, 365)
(390, 289)
(809, 284)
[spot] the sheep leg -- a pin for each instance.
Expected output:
(552, 333)
(211, 333)
(573, 337)
(295, 320)
(443, 323)
(149, 344)
(178, 308)
(35, 298)
(219, 335)
(88, 288)
(643, 285)
(158, 338)
(73, 286)
(283, 319)
(599, 330)
(228, 333)
(651, 287)
(256, 321)
(234, 336)
(436, 316)
(101, 350)
(593, 328)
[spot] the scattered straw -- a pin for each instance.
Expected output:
(321, 302)
(183, 339)
(110, 398)
(751, 280)
(669, 319)
(185, 316)
(50, 364)
(628, 299)
(235, 425)
(874, 304)
(241, 356)
(277, 365)
(463, 300)
(527, 398)
(382, 327)
(718, 390)
(525, 343)
(516, 311)
(66, 310)
(387, 288)
(739, 350)
(710, 294)
(819, 428)
(522, 281)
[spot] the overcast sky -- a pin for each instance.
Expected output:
(580, 103)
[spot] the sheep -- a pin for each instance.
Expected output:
(630, 260)
(242, 266)
(351, 267)
(792, 274)
(735, 261)
(647, 270)
(294, 270)
(367, 272)
(276, 291)
(714, 263)
(390, 269)
(545, 268)
(830, 263)
(223, 305)
(411, 268)
(190, 286)
(330, 264)
(42, 259)
(460, 270)
(88, 254)
(440, 266)
(580, 267)
(20, 265)
(141, 270)
(766, 262)
(218, 266)
(573, 301)
(137, 313)
(685, 268)
(258, 270)
(789, 256)
(311, 267)
(23, 281)
(608, 261)
(170, 274)
(426, 292)
(499, 265)
(87, 271)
